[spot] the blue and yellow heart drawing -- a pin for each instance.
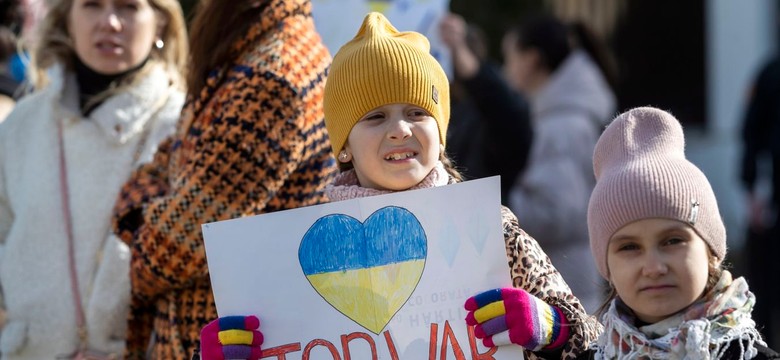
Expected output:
(367, 271)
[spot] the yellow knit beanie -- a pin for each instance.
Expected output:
(383, 66)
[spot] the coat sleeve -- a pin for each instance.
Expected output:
(149, 181)
(762, 111)
(6, 219)
(6, 215)
(236, 155)
(532, 271)
(507, 119)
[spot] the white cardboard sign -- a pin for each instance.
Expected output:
(381, 277)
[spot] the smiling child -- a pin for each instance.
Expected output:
(386, 110)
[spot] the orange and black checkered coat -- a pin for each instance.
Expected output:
(253, 141)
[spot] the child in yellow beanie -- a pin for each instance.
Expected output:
(386, 109)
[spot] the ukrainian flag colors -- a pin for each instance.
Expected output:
(368, 270)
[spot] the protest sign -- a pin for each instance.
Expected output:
(380, 277)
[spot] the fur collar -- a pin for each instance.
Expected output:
(123, 115)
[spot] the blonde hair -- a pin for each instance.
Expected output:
(54, 45)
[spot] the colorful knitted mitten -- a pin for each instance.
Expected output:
(509, 315)
(231, 337)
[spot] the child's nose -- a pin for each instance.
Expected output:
(399, 130)
(654, 265)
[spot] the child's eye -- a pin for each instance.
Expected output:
(628, 247)
(418, 113)
(90, 3)
(674, 240)
(376, 116)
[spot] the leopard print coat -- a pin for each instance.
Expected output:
(252, 142)
(533, 272)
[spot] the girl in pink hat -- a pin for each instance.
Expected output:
(657, 236)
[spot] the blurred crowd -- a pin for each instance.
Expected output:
(121, 132)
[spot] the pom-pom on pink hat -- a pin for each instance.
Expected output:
(641, 172)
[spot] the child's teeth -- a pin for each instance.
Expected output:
(400, 156)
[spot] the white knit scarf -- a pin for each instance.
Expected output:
(346, 185)
(704, 330)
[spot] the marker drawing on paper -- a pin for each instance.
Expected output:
(367, 271)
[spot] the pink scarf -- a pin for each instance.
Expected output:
(346, 185)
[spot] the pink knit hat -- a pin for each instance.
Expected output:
(641, 172)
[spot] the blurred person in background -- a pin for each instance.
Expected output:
(761, 164)
(565, 73)
(109, 80)
(490, 131)
(252, 140)
(34, 11)
(11, 21)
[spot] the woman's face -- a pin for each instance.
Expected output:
(658, 267)
(519, 65)
(393, 147)
(112, 36)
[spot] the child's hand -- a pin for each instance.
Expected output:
(510, 315)
(231, 337)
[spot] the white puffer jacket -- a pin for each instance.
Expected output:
(101, 151)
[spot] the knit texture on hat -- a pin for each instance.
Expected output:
(641, 172)
(383, 66)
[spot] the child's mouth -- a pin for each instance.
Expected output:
(400, 156)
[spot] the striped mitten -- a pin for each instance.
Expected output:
(231, 337)
(510, 315)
